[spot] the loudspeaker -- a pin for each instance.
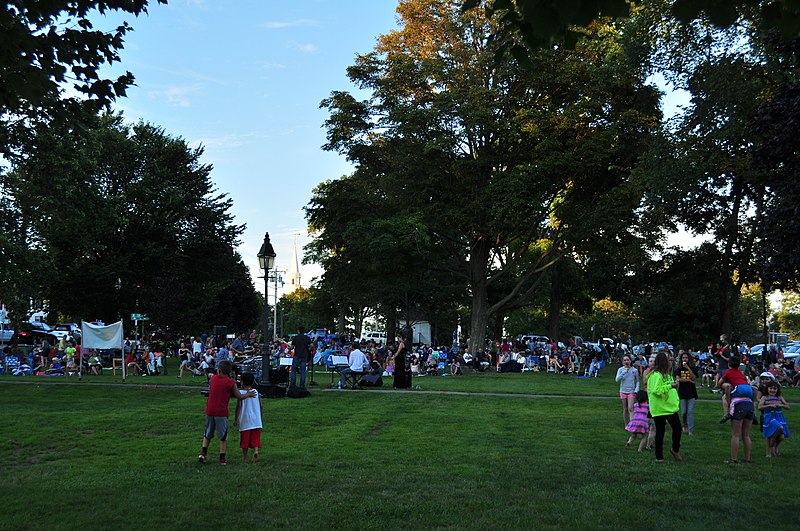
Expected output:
(372, 380)
(297, 392)
(279, 375)
(271, 390)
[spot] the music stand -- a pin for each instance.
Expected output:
(338, 362)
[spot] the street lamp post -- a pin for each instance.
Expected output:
(276, 278)
(266, 260)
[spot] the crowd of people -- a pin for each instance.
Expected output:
(64, 358)
(664, 392)
(657, 387)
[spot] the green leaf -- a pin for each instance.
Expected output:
(686, 10)
(722, 14)
(615, 8)
(470, 4)
(522, 56)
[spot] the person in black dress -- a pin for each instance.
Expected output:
(402, 373)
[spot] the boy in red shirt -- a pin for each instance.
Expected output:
(220, 391)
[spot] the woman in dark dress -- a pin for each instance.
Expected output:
(402, 373)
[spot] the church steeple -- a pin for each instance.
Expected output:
(294, 271)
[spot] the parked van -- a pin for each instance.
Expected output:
(539, 340)
(375, 337)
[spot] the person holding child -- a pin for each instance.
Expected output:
(741, 411)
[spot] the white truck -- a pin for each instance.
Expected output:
(379, 338)
(422, 331)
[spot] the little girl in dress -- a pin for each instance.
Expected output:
(639, 424)
(774, 426)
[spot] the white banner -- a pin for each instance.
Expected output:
(101, 337)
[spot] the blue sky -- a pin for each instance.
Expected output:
(244, 78)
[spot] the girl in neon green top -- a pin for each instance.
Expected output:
(662, 393)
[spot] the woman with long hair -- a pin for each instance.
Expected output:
(402, 373)
(628, 379)
(686, 375)
(662, 394)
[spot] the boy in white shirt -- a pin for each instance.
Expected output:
(248, 417)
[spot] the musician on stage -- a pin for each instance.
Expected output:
(358, 364)
(303, 353)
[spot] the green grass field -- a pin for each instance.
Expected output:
(124, 456)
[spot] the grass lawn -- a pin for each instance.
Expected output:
(84, 456)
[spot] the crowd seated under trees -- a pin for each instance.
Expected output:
(204, 351)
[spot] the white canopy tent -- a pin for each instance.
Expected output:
(102, 337)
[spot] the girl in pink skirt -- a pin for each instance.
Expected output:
(639, 424)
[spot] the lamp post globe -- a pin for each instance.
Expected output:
(266, 260)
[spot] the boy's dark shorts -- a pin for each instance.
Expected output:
(744, 410)
(220, 424)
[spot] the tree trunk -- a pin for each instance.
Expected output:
(728, 299)
(478, 320)
(478, 268)
(359, 321)
(499, 321)
(727, 296)
(555, 302)
(391, 325)
(340, 325)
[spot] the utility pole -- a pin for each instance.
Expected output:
(275, 277)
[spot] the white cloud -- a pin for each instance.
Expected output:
(225, 142)
(272, 66)
(200, 4)
(303, 47)
(175, 95)
(280, 24)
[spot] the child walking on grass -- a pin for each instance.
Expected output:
(639, 424)
(248, 415)
(220, 391)
(774, 427)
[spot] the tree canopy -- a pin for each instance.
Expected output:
(117, 218)
(48, 44)
(504, 168)
(540, 23)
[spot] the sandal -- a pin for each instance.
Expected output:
(731, 462)
(676, 455)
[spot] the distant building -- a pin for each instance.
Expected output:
(294, 272)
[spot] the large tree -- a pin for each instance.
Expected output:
(539, 23)
(377, 255)
(48, 44)
(704, 171)
(125, 219)
(509, 168)
(776, 163)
